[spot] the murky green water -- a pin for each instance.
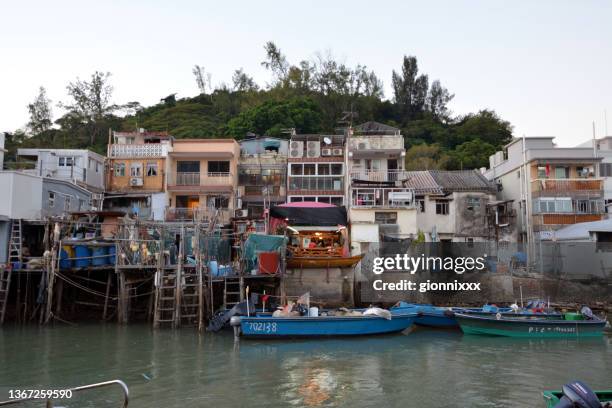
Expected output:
(182, 369)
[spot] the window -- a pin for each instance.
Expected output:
(323, 169)
(82, 205)
(563, 205)
(542, 173)
(441, 207)
(473, 203)
(90, 163)
(296, 199)
(51, 199)
(97, 167)
(561, 172)
(605, 169)
(119, 169)
(218, 167)
(421, 205)
(470, 242)
(582, 206)
(385, 217)
(67, 203)
(64, 161)
(219, 201)
(151, 169)
(310, 199)
(336, 169)
(336, 200)
(136, 169)
(188, 167)
(297, 169)
(309, 169)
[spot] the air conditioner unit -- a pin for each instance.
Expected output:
(362, 146)
(241, 213)
(337, 152)
(313, 149)
(136, 182)
(326, 152)
(296, 149)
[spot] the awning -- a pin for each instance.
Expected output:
(330, 216)
(271, 144)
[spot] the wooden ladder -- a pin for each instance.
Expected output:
(5, 284)
(165, 303)
(232, 291)
(190, 307)
(14, 255)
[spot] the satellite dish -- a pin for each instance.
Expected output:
(327, 140)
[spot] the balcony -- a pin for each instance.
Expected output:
(220, 215)
(376, 142)
(136, 150)
(382, 198)
(545, 221)
(560, 187)
(183, 181)
(317, 183)
(378, 175)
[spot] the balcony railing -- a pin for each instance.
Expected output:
(576, 185)
(262, 190)
(221, 215)
(376, 142)
(140, 150)
(379, 175)
(196, 179)
(382, 197)
(316, 183)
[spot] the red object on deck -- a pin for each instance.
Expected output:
(269, 262)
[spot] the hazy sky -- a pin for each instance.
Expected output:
(546, 66)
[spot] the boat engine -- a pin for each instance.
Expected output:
(578, 395)
(586, 312)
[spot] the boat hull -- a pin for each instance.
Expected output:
(530, 328)
(324, 326)
(322, 262)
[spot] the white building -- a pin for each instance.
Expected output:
(79, 166)
(604, 152)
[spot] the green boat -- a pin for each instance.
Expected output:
(571, 325)
(552, 398)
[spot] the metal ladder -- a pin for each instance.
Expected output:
(232, 291)
(14, 255)
(5, 284)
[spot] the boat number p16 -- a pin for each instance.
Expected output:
(262, 327)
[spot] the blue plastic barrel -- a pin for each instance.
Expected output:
(112, 252)
(213, 266)
(65, 263)
(84, 253)
(99, 256)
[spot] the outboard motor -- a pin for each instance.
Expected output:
(586, 312)
(578, 395)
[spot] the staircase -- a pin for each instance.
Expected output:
(232, 291)
(5, 284)
(14, 255)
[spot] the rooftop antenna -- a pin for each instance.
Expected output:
(606, 122)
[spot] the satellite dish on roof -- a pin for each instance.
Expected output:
(327, 140)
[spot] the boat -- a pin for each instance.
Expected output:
(571, 325)
(321, 326)
(574, 392)
(444, 317)
(323, 261)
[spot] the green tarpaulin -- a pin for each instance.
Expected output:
(257, 243)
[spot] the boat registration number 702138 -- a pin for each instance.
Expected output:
(262, 327)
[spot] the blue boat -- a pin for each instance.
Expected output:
(321, 326)
(444, 317)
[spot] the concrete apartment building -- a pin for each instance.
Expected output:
(79, 166)
(136, 180)
(550, 186)
(262, 175)
(202, 176)
(316, 169)
(603, 150)
(379, 205)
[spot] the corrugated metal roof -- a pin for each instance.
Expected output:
(422, 182)
(462, 180)
(375, 128)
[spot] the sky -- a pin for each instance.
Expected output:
(545, 66)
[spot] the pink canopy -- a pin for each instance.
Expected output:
(307, 204)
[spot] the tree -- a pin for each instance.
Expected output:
(485, 125)
(91, 101)
(243, 82)
(41, 116)
(410, 88)
(203, 78)
(426, 157)
(473, 154)
(437, 101)
(276, 62)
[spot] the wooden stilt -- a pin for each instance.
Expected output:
(57, 245)
(108, 285)
(58, 303)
